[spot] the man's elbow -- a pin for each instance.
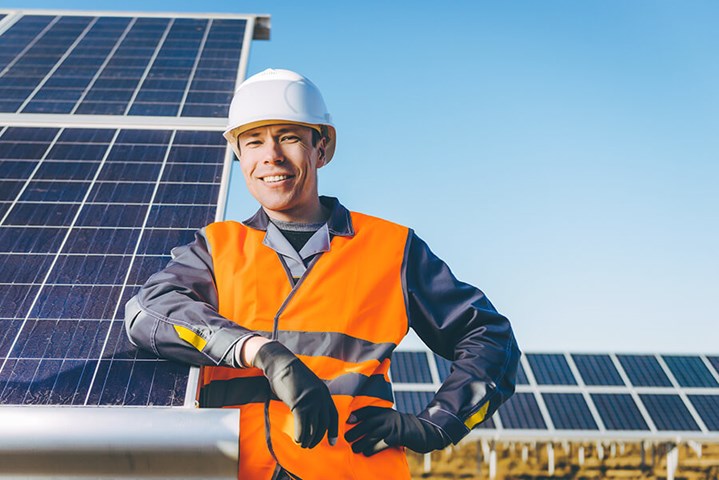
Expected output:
(136, 325)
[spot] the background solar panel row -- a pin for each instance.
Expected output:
(605, 401)
(120, 65)
(87, 216)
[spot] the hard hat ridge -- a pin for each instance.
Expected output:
(279, 96)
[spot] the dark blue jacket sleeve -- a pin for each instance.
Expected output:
(458, 322)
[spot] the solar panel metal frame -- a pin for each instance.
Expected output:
(256, 27)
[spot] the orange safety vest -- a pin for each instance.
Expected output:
(343, 320)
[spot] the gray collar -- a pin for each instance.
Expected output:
(338, 223)
(319, 242)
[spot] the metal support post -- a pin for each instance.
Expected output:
(672, 461)
(492, 461)
(550, 459)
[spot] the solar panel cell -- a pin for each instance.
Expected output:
(90, 269)
(8, 330)
(53, 191)
(16, 170)
(690, 371)
(597, 370)
(34, 213)
(521, 412)
(619, 412)
(121, 192)
(76, 302)
(66, 170)
(707, 406)
(129, 172)
(30, 240)
(24, 268)
(181, 216)
(569, 411)
(551, 369)
(644, 371)
(668, 412)
(15, 300)
(101, 240)
(109, 215)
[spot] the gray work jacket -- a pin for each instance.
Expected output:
(454, 319)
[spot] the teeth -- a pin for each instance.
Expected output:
(275, 178)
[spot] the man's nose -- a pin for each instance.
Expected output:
(273, 153)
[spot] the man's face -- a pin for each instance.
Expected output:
(280, 166)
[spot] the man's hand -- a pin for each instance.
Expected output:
(379, 428)
(300, 389)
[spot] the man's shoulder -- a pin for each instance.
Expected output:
(226, 228)
(363, 220)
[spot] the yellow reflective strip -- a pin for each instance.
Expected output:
(190, 337)
(475, 419)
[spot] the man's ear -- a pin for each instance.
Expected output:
(322, 147)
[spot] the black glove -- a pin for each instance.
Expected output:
(299, 388)
(380, 428)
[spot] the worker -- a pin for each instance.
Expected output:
(295, 312)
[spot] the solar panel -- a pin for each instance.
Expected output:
(410, 367)
(668, 412)
(522, 412)
(551, 369)
(619, 412)
(690, 371)
(569, 411)
(64, 341)
(597, 369)
(707, 406)
(644, 371)
(120, 65)
(88, 214)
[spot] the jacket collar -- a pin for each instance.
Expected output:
(338, 223)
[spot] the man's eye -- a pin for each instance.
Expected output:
(252, 143)
(289, 138)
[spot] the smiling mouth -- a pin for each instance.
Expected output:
(275, 178)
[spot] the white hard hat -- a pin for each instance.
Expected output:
(279, 96)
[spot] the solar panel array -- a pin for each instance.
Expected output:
(585, 395)
(120, 65)
(90, 207)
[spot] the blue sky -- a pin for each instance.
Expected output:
(560, 155)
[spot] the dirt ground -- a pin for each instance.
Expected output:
(609, 461)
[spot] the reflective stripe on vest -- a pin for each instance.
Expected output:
(343, 320)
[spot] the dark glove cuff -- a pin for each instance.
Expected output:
(450, 425)
(272, 357)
